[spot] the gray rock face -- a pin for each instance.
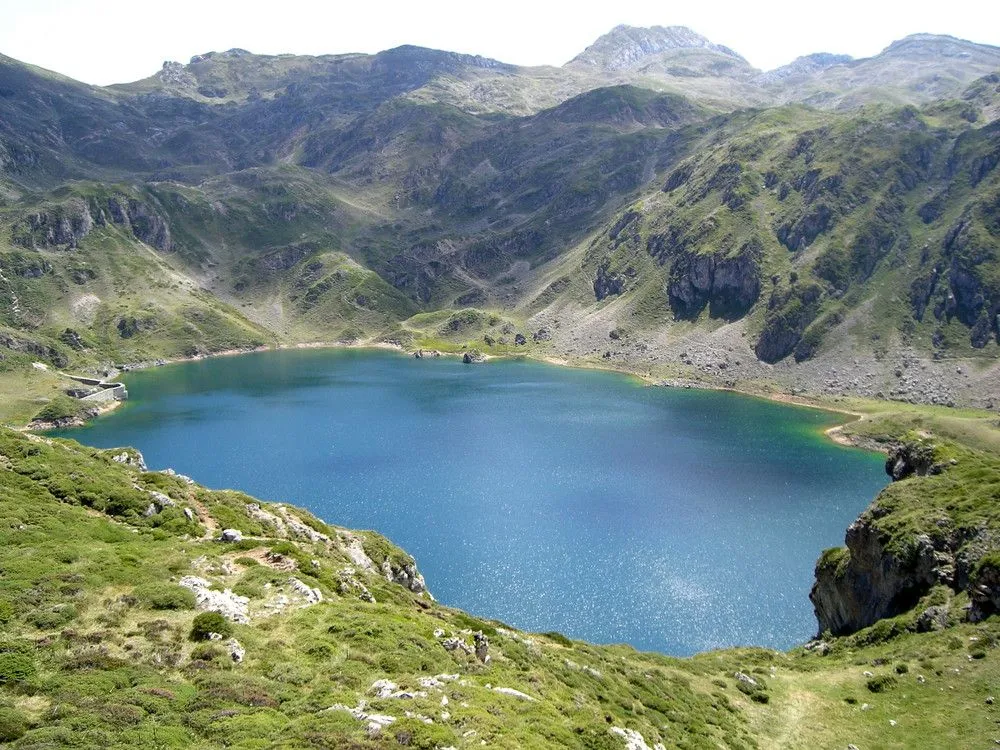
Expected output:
(482, 647)
(226, 603)
(405, 575)
(877, 582)
(63, 224)
(173, 73)
(984, 590)
(932, 618)
(148, 226)
(802, 67)
(628, 47)
(473, 357)
(911, 459)
(607, 283)
(132, 458)
(68, 223)
(728, 285)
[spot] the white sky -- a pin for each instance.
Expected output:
(113, 41)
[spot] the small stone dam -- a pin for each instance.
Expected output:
(104, 391)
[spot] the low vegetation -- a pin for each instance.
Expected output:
(107, 638)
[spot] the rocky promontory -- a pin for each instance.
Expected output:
(923, 531)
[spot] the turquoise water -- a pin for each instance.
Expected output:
(546, 497)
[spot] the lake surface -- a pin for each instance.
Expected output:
(546, 497)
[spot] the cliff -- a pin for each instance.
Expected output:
(932, 527)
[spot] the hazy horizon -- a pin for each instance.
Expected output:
(129, 41)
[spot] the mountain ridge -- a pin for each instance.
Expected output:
(344, 197)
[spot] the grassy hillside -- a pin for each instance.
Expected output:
(336, 641)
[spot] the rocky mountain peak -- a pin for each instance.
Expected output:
(626, 47)
(939, 46)
(805, 65)
(229, 53)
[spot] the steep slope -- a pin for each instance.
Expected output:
(798, 224)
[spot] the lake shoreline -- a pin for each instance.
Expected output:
(598, 453)
(835, 434)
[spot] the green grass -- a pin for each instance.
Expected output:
(95, 623)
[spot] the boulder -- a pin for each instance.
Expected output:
(932, 618)
(231, 535)
(607, 283)
(482, 647)
(236, 650)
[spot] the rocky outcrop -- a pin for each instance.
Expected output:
(473, 357)
(890, 562)
(627, 47)
(25, 345)
(58, 225)
(921, 291)
(226, 603)
(728, 285)
(984, 590)
(789, 313)
(66, 224)
(607, 282)
(799, 234)
(404, 574)
(285, 258)
(145, 224)
(868, 581)
(911, 458)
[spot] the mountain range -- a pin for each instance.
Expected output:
(655, 204)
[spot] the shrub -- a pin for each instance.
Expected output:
(52, 617)
(15, 667)
(882, 682)
(207, 623)
(165, 596)
(61, 407)
(206, 652)
(13, 725)
(558, 637)
(6, 611)
(902, 669)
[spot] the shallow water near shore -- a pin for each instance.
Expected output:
(550, 498)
